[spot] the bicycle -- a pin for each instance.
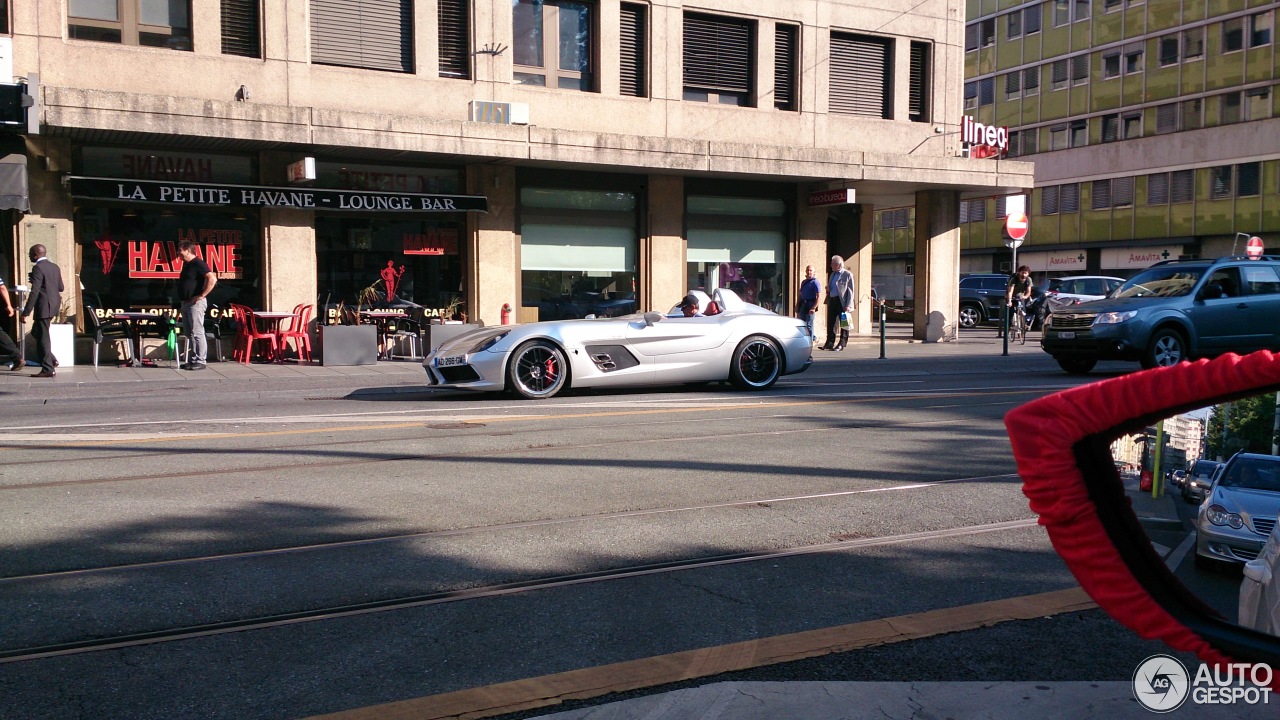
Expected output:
(1018, 323)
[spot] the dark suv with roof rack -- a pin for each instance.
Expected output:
(1173, 311)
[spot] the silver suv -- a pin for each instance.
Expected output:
(1173, 311)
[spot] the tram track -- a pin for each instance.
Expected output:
(350, 446)
(263, 622)
(500, 527)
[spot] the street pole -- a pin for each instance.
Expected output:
(881, 304)
(1157, 477)
(1226, 417)
(1008, 309)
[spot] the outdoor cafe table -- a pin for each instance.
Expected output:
(381, 317)
(135, 320)
(275, 318)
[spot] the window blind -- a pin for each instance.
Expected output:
(860, 75)
(455, 39)
(241, 28)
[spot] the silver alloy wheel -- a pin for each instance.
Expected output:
(969, 316)
(537, 370)
(757, 363)
(1167, 348)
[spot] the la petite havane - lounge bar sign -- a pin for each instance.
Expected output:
(254, 196)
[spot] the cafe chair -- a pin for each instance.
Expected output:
(297, 331)
(162, 327)
(247, 334)
(405, 333)
(99, 331)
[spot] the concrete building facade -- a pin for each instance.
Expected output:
(555, 158)
(1154, 127)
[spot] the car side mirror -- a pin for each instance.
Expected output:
(653, 318)
(1067, 446)
(1212, 292)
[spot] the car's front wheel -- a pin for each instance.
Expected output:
(1076, 366)
(537, 370)
(1166, 348)
(970, 316)
(756, 364)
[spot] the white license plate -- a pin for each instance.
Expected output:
(451, 361)
(1066, 335)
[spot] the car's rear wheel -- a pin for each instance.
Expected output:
(1167, 347)
(756, 364)
(970, 316)
(537, 370)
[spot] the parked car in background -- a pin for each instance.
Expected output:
(982, 299)
(1260, 589)
(1240, 511)
(1173, 311)
(1199, 478)
(1064, 292)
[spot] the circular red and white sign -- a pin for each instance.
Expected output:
(1016, 225)
(1253, 248)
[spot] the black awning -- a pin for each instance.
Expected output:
(14, 194)
(246, 196)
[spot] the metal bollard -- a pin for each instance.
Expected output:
(882, 314)
(1005, 324)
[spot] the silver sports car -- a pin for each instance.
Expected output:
(735, 341)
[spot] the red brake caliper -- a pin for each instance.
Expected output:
(550, 369)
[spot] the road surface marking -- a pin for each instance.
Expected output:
(548, 690)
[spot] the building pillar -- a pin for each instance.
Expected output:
(491, 265)
(811, 249)
(50, 222)
(937, 279)
(663, 270)
(288, 259)
(864, 319)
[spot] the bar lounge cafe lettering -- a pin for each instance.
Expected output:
(242, 196)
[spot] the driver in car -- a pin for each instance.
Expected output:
(689, 306)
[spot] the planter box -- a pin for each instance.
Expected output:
(433, 335)
(62, 337)
(347, 345)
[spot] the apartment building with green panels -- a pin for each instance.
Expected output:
(1154, 126)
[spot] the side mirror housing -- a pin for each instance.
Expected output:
(653, 318)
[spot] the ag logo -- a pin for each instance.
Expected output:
(1161, 683)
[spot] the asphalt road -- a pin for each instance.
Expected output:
(290, 547)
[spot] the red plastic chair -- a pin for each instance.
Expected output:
(297, 332)
(247, 333)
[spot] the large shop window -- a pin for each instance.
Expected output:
(127, 258)
(375, 262)
(577, 253)
(740, 244)
(154, 23)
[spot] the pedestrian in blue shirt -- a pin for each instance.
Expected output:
(810, 291)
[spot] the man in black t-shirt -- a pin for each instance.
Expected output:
(1019, 289)
(195, 281)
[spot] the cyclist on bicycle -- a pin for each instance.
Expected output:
(1020, 290)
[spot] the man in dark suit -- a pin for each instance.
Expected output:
(44, 303)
